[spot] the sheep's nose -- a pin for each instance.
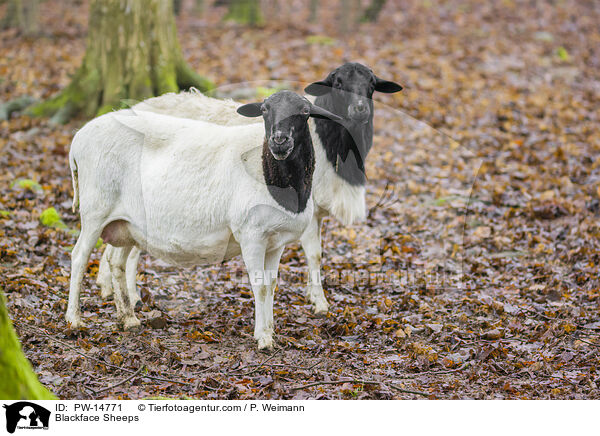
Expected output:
(359, 111)
(279, 138)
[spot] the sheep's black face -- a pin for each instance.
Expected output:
(285, 114)
(351, 89)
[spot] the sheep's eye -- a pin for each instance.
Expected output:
(264, 109)
(338, 85)
(305, 111)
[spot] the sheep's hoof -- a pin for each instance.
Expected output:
(265, 344)
(74, 321)
(131, 323)
(106, 287)
(321, 308)
(105, 291)
(76, 325)
(316, 297)
(320, 313)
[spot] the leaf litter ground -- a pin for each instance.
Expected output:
(475, 275)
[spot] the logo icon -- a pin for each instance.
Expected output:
(26, 415)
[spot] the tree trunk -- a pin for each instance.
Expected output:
(177, 6)
(344, 16)
(373, 10)
(245, 12)
(314, 11)
(17, 380)
(356, 11)
(132, 54)
(22, 14)
(199, 7)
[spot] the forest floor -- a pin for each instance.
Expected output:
(475, 276)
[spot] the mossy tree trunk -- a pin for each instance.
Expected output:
(132, 53)
(177, 6)
(314, 11)
(17, 379)
(344, 16)
(199, 7)
(350, 15)
(245, 12)
(372, 12)
(22, 14)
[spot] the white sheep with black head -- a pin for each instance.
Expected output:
(341, 148)
(191, 192)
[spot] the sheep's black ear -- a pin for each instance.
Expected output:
(250, 110)
(319, 112)
(319, 88)
(386, 86)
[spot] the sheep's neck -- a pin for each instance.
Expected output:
(346, 145)
(290, 180)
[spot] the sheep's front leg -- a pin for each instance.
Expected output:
(118, 262)
(254, 258)
(311, 243)
(272, 260)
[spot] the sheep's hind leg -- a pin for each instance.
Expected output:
(131, 273)
(311, 243)
(118, 262)
(90, 232)
(104, 279)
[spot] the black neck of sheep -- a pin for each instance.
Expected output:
(346, 144)
(290, 180)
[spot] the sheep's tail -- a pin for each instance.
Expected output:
(75, 178)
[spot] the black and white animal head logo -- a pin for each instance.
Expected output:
(26, 415)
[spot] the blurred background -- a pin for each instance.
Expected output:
(483, 189)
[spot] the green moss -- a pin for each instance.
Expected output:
(48, 107)
(28, 184)
(165, 78)
(15, 105)
(51, 218)
(101, 83)
(562, 54)
(188, 78)
(127, 103)
(64, 114)
(320, 39)
(105, 109)
(262, 92)
(245, 12)
(4, 213)
(18, 381)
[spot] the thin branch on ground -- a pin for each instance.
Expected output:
(102, 362)
(447, 371)
(335, 382)
(260, 364)
(408, 391)
(125, 380)
(587, 342)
